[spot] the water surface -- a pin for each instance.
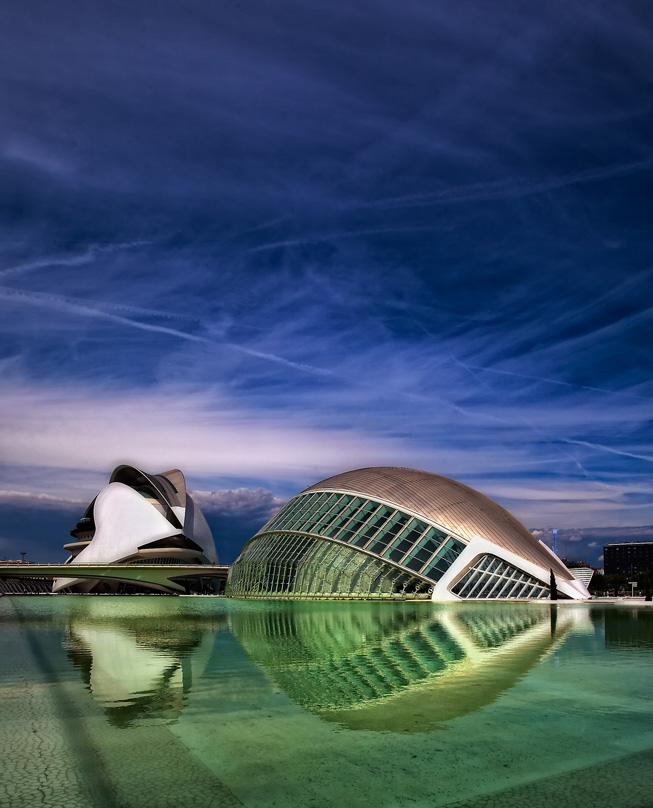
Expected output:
(158, 701)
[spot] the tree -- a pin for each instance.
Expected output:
(609, 583)
(645, 581)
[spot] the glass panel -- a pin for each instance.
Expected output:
(367, 509)
(405, 540)
(417, 561)
(347, 519)
(398, 551)
(506, 582)
(373, 526)
(279, 564)
(426, 546)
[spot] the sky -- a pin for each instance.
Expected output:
(268, 242)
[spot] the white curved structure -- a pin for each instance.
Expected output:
(396, 532)
(138, 519)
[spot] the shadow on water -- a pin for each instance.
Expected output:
(138, 658)
(401, 669)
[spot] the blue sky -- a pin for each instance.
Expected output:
(265, 243)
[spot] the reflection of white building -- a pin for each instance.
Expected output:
(139, 519)
(122, 671)
(397, 533)
(138, 658)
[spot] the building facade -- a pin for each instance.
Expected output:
(397, 533)
(141, 523)
(628, 558)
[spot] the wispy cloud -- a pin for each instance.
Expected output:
(558, 382)
(91, 309)
(197, 431)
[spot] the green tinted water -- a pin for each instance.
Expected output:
(154, 701)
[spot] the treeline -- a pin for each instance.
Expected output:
(616, 584)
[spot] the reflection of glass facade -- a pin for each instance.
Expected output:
(278, 564)
(492, 578)
(401, 669)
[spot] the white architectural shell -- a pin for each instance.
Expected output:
(139, 518)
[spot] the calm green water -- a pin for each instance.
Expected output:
(154, 701)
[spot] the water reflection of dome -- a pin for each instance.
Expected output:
(138, 664)
(401, 671)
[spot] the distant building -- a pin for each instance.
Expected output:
(583, 574)
(628, 558)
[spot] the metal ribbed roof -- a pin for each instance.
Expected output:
(456, 507)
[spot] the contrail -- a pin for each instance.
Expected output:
(510, 189)
(556, 381)
(73, 260)
(337, 236)
(75, 306)
(602, 448)
(533, 427)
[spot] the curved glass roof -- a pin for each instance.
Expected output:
(451, 505)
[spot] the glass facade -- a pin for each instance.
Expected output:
(372, 526)
(311, 548)
(289, 565)
(492, 578)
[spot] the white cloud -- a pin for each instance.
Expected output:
(35, 498)
(202, 433)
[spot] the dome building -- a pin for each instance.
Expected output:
(397, 533)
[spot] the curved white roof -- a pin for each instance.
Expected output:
(136, 509)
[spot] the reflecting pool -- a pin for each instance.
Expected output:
(159, 701)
